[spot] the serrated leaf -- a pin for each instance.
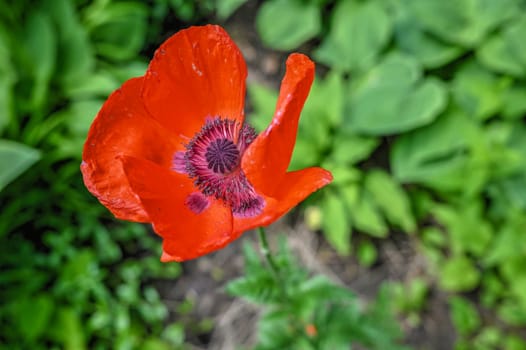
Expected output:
(390, 197)
(260, 288)
(288, 32)
(407, 101)
(358, 33)
(15, 159)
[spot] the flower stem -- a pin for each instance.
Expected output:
(265, 250)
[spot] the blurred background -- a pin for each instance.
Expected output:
(418, 110)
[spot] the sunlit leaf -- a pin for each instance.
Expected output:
(287, 32)
(407, 102)
(359, 31)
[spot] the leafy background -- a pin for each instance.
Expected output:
(418, 110)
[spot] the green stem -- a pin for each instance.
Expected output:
(265, 250)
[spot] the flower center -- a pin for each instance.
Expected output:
(212, 160)
(222, 156)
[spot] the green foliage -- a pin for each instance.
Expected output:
(303, 312)
(422, 127)
(68, 280)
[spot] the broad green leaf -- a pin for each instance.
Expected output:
(155, 344)
(478, 91)
(434, 155)
(505, 52)
(15, 159)
(509, 243)
(463, 22)
(350, 149)
(464, 315)
(226, 8)
(514, 102)
(286, 24)
(429, 50)
(359, 31)
(391, 198)
(459, 274)
(336, 225)
(406, 101)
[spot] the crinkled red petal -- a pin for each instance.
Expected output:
(293, 188)
(196, 74)
(266, 160)
(163, 193)
(123, 127)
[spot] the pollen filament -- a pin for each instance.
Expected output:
(213, 161)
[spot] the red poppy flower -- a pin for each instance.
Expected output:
(172, 147)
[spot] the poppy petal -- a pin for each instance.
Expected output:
(197, 73)
(163, 193)
(269, 155)
(294, 188)
(122, 127)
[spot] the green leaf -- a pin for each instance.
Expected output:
(32, 315)
(75, 57)
(429, 50)
(514, 102)
(15, 159)
(366, 253)
(335, 223)
(390, 197)
(467, 229)
(349, 149)
(459, 274)
(259, 288)
(287, 32)
(478, 91)
(434, 155)
(68, 329)
(40, 48)
(363, 211)
(464, 316)
(506, 52)
(359, 31)
(7, 82)
(119, 30)
(226, 8)
(464, 22)
(407, 101)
